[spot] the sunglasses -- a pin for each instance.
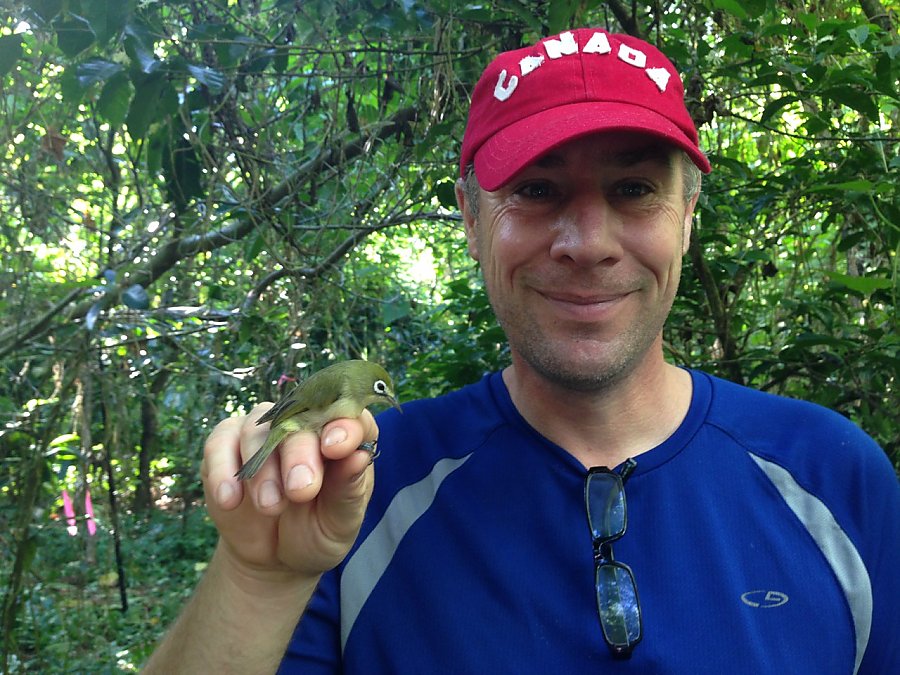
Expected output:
(617, 598)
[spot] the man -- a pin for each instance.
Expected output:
(736, 532)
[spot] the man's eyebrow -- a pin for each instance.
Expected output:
(551, 160)
(657, 154)
(652, 153)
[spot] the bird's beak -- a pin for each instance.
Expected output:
(395, 403)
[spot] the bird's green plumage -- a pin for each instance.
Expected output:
(341, 390)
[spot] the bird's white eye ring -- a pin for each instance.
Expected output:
(380, 387)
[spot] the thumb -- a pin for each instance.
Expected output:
(346, 490)
(332, 522)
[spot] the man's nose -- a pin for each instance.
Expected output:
(587, 233)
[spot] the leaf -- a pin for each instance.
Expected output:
(394, 310)
(864, 285)
(143, 109)
(107, 19)
(732, 7)
(10, 52)
(213, 79)
(559, 15)
(181, 168)
(139, 47)
(776, 105)
(254, 246)
(446, 194)
(73, 35)
(476, 13)
(93, 71)
(259, 61)
(135, 297)
(115, 98)
(90, 319)
(859, 34)
(45, 9)
(860, 185)
(859, 101)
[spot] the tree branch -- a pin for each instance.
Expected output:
(718, 310)
(175, 250)
(877, 14)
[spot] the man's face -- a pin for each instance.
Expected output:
(581, 255)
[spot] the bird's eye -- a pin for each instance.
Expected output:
(380, 387)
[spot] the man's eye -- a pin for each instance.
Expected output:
(633, 189)
(536, 191)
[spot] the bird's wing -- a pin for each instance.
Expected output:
(280, 406)
(287, 406)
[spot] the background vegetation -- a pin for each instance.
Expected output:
(201, 199)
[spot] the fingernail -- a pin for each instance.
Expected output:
(334, 436)
(224, 493)
(301, 476)
(269, 494)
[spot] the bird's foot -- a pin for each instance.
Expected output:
(372, 448)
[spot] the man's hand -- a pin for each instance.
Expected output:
(278, 532)
(301, 513)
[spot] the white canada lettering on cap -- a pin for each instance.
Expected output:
(660, 77)
(529, 63)
(598, 44)
(633, 56)
(566, 45)
(502, 90)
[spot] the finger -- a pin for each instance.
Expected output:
(221, 459)
(265, 487)
(301, 467)
(349, 479)
(342, 437)
(340, 507)
(345, 494)
(303, 454)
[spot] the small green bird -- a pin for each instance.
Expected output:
(340, 390)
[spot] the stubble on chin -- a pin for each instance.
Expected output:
(579, 359)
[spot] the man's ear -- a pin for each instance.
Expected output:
(468, 218)
(688, 224)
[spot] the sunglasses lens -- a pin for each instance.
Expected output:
(605, 505)
(618, 605)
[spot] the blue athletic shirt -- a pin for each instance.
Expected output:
(764, 537)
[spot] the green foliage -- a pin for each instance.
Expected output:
(202, 198)
(70, 620)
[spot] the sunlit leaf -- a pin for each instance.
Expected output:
(864, 285)
(859, 34)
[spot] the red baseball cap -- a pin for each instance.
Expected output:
(531, 100)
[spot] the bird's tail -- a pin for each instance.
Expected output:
(252, 465)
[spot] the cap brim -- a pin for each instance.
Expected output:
(510, 150)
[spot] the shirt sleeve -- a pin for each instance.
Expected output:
(880, 500)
